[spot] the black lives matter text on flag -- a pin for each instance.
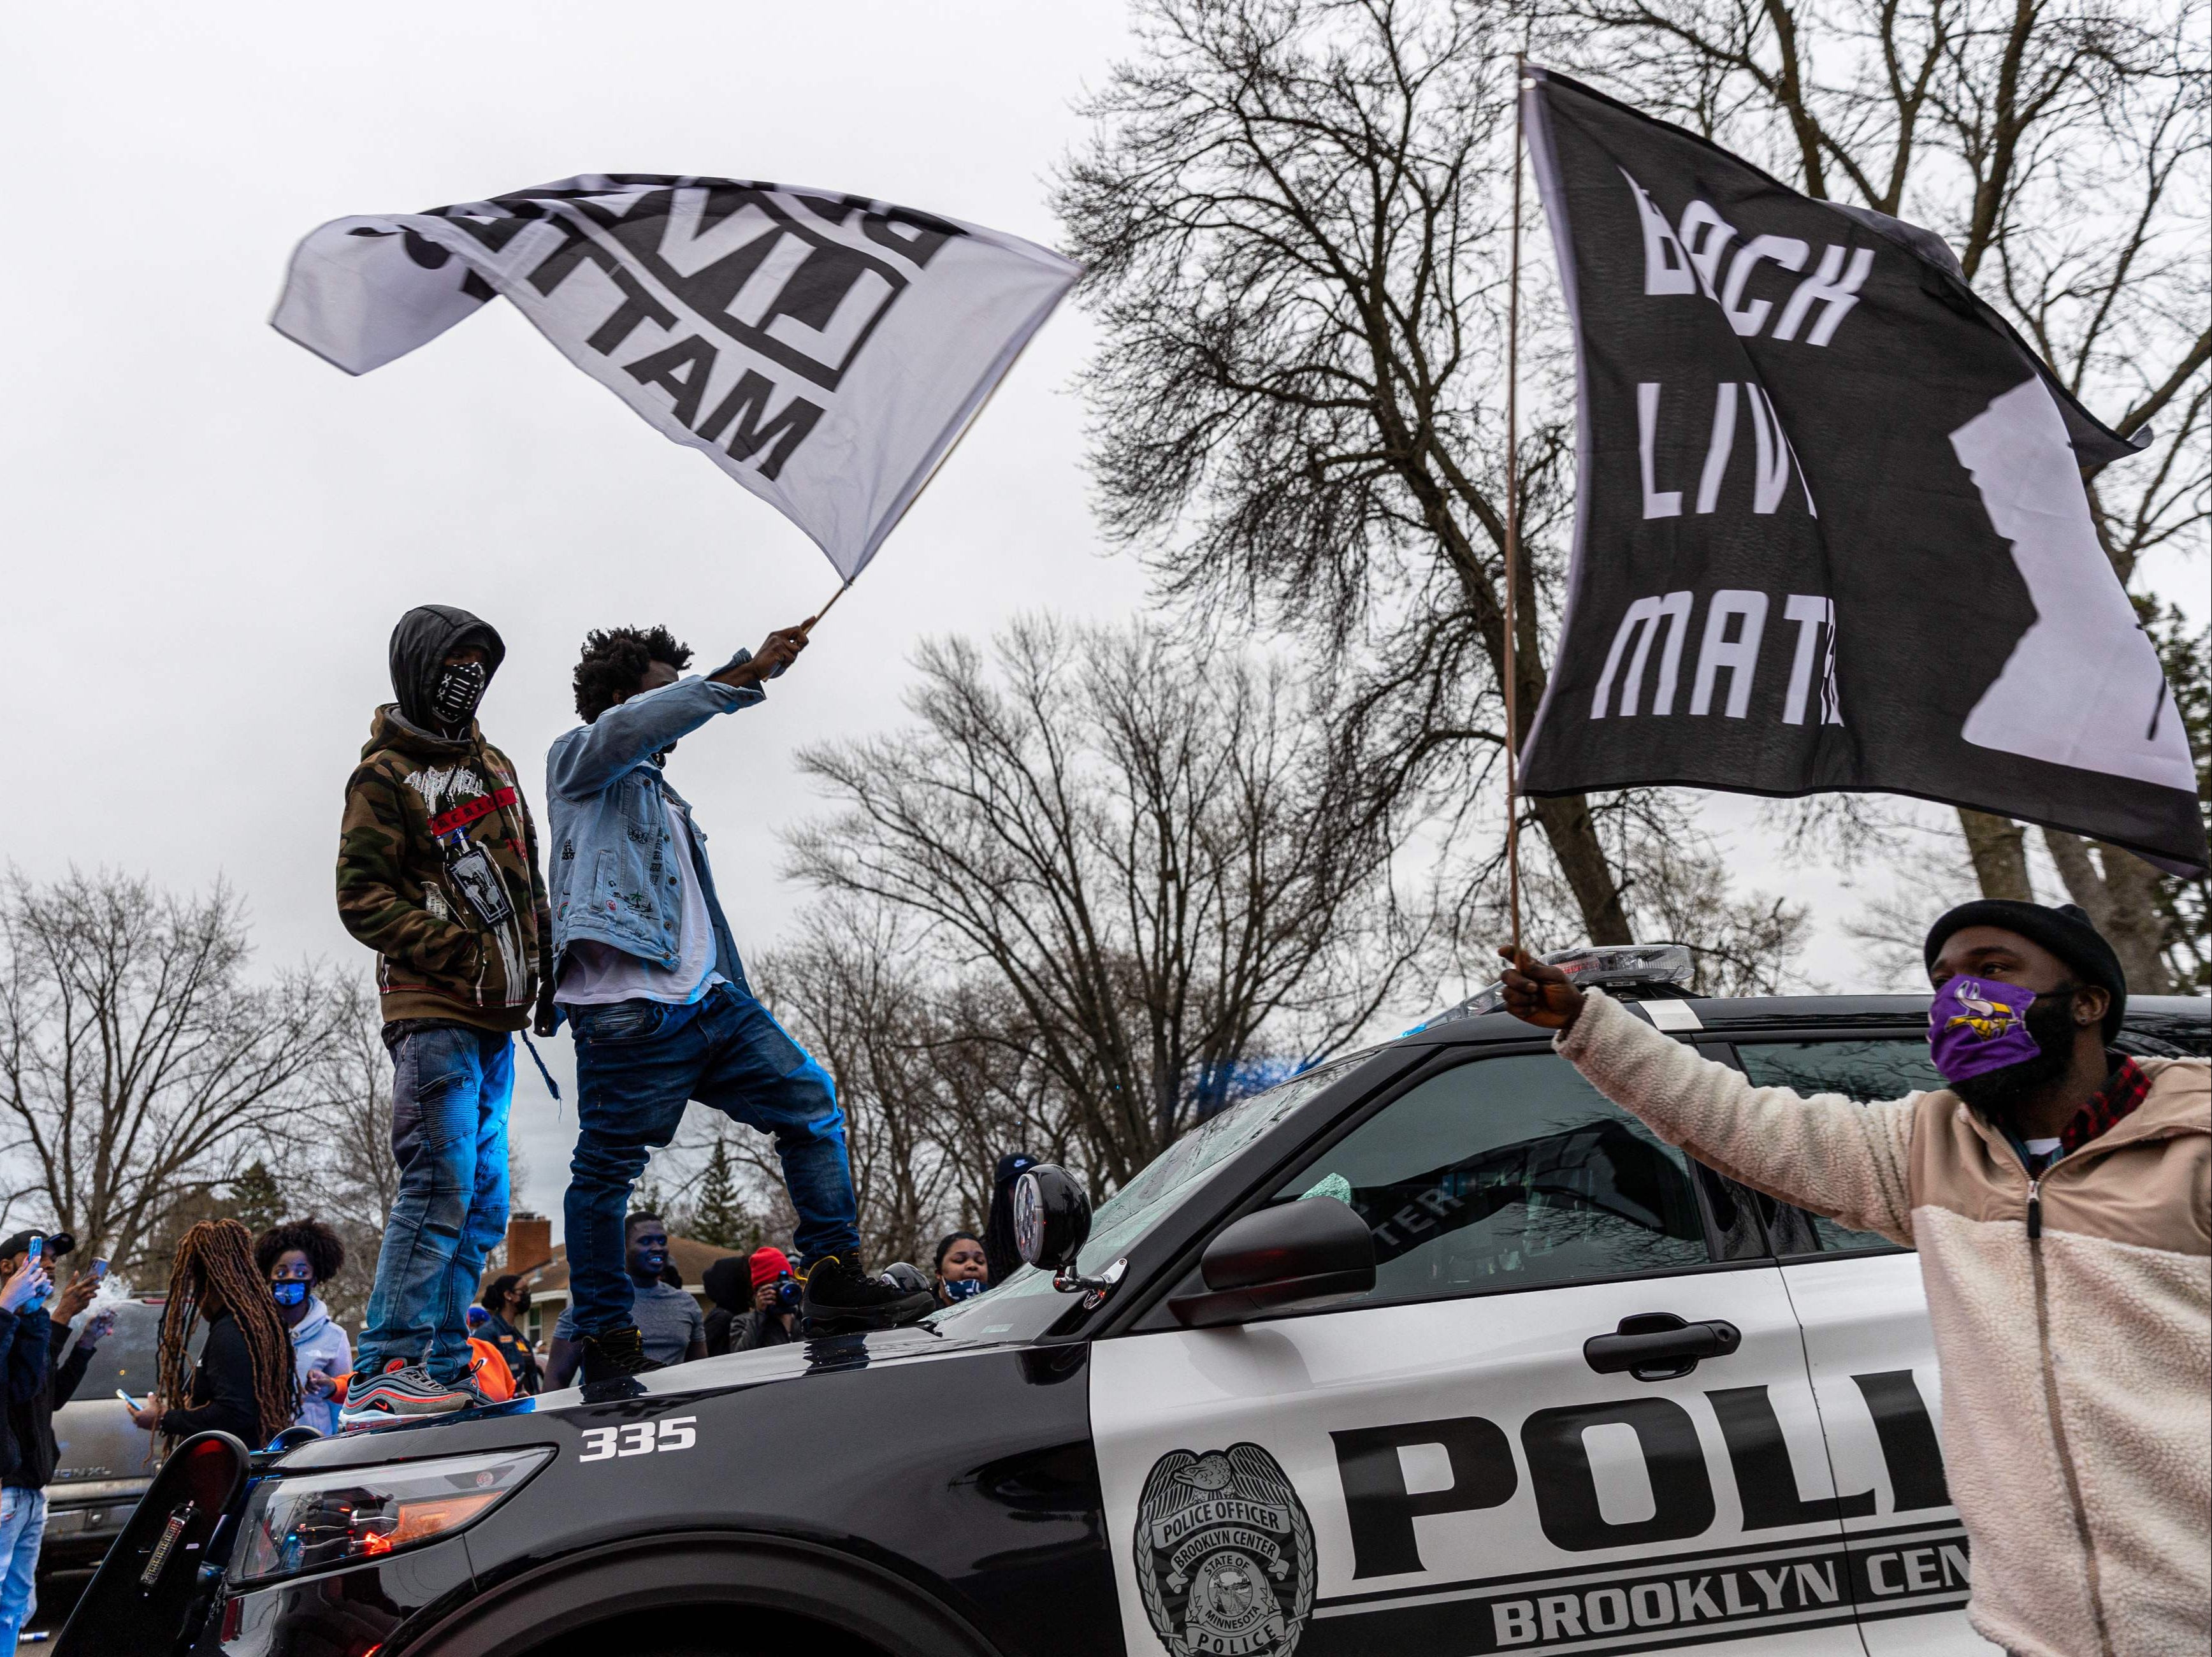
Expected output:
(1831, 533)
(825, 350)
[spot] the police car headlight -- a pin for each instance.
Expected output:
(316, 1521)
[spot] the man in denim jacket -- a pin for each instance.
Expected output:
(649, 980)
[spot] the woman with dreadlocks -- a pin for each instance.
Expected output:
(245, 1384)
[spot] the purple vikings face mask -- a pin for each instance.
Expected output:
(1977, 1025)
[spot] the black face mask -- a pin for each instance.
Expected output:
(2050, 1019)
(459, 688)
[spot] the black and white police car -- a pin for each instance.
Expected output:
(1430, 1350)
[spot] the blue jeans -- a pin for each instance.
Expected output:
(638, 1063)
(22, 1527)
(451, 1086)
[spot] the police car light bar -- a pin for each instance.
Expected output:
(1614, 966)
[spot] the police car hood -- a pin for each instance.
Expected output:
(822, 1355)
(505, 1423)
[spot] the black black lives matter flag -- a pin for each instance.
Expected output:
(1831, 532)
(825, 350)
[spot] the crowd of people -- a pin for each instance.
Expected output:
(439, 871)
(274, 1358)
(257, 1299)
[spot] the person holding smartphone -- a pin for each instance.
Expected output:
(28, 1455)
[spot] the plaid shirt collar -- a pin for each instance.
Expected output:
(2124, 1089)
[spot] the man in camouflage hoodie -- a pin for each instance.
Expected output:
(438, 874)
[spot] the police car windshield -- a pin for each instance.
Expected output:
(1024, 1306)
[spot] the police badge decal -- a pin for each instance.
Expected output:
(1225, 1554)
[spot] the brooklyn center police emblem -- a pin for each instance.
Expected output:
(1225, 1554)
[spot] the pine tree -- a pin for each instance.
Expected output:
(255, 1201)
(646, 1197)
(720, 1217)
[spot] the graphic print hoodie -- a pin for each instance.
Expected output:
(417, 801)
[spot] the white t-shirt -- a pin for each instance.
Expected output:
(595, 974)
(2045, 1148)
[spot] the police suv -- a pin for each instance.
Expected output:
(1430, 1350)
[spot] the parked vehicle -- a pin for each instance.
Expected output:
(1431, 1348)
(107, 1460)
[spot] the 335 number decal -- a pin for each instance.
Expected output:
(640, 1438)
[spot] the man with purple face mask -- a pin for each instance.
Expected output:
(2060, 1195)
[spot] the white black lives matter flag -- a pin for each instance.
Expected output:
(1831, 529)
(825, 350)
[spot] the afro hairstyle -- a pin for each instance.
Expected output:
(615, 659)
(324, 1253)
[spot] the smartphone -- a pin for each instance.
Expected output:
(99, 1270)
(32, 1260)
(135, 1405)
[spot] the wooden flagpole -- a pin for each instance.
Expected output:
(825, 609)
(1513, 528)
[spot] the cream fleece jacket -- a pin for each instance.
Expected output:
(2077, 1364)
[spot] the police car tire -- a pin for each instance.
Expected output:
(723, 1577)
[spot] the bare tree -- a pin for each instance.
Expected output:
(1745, 944)
(341, 1152)
(1155, 855)
(335, 1147)
(2060, 147)
(938, 1076)
(138, 1064)
(1295, 215)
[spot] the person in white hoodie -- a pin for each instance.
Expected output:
(299, 1257)
(2059, 1194)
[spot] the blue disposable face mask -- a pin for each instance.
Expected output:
(288, 1292)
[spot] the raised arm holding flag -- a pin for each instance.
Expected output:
(1831, 535)
(824, 350)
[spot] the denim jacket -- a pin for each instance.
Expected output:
(609, 875)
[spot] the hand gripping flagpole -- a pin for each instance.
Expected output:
(1513, 528)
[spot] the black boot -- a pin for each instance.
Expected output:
(840, 1295)
(614, 1355)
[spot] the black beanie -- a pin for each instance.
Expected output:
(57, 1243)
(2065, 930)
(729, 1284)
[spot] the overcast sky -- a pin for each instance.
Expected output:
(210, 532)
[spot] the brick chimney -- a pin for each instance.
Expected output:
(529, 1240)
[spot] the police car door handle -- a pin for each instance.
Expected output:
(1660, 1346)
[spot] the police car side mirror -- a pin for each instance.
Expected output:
(1052, 1217)
(1305, 1255)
